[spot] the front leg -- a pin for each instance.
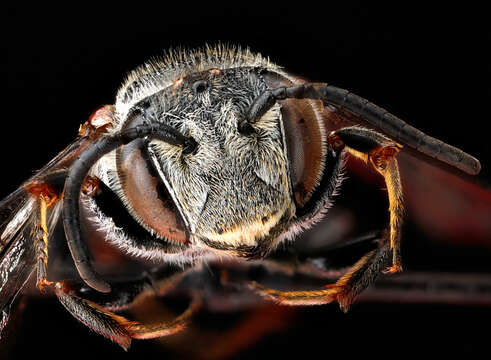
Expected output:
(97, 313)
(378, 151)
(47, 196)
(94, 316)
(344, 291)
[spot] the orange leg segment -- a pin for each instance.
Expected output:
(47, 197)
(115, 327)
(378, 151)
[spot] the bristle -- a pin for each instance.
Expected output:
(159, 73)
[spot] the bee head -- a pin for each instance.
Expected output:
(234, 189)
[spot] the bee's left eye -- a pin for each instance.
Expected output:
(305, 146)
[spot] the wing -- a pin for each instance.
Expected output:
(19, 221)
(18, 254)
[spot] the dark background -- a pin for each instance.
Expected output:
(427, 65)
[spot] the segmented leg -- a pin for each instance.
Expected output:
(389, 169)
(344, 291)
(159, 329)
(94, 316)
(379, 151)
(47, 193)
(47, 197)
(95, 313)
(127, 294)
(310, 297)
(42, 246)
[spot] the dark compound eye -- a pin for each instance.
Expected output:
(200, 86)
(150, 202)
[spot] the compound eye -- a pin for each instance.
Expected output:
(306, 147)
(145, 195)
(147, 198)
(305, 139)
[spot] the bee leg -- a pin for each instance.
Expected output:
(47, 189)
(309, 297)
(94, 316)
(47, 196)
(125, 294)
(42, 246)
(164, 328)
(362, 274)
(158, 284)
(344, 291)
(122, 296)
(378, 151)
(115, 327)
(159, 288)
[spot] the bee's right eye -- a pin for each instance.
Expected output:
(146, 196)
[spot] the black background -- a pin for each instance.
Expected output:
(427, 65)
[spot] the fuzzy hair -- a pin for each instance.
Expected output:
(160, 73)
(117, 237)
(299, 226)
(233, 183)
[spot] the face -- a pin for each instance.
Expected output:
(237, 191)
(233, 192)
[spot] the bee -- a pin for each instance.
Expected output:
(206, 155)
